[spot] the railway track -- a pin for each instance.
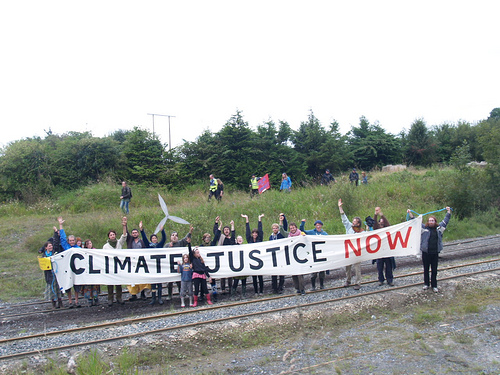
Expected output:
(47, 341)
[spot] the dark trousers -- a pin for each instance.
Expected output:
(258, 284)
(200, 283)
(274, 282)
(430, 260)
(315, 275)
(387, 262)
(236, 281)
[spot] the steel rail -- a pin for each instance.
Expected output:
(238, 303)
(246, 315)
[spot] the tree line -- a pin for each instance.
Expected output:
(40, 167)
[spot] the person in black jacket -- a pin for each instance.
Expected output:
(254, 236)
(125, 198)
(200, 274)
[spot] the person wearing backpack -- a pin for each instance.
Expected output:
(125, 198)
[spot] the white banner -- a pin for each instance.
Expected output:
(288, 256)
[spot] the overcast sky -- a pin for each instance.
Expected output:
(100, 66)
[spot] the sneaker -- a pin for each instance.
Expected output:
(119, 300)
(391, 283)
(298, 291)
(303, 292)
(435, 290)
(380, 283)
(357, 287)
(347, 284)
(425, 287)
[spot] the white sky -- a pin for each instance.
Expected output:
(101, 66)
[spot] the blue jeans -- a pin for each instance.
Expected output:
(124, 205)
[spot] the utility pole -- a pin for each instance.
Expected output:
(169, 133)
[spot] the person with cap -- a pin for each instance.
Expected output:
(327, 178)
(254, 185)
(354, 177)
(317, 231)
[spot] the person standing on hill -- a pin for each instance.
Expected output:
(219, 193)
(327, 178)
(286, 183)
(254, 185)
(354, 177)
(125, 198)
(212, 189)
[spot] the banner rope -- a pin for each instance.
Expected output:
(427, 213)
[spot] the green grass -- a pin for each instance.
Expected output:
(93, 210)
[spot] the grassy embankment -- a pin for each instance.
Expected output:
(93, 210)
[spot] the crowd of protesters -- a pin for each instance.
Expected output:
(198, 285)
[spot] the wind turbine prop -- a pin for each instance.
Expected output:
(167, 216)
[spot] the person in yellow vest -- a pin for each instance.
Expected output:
(254, 185)
(212, 188)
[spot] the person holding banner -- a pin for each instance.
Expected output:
(431, 244)
(113, 243)
(277, 235)
(156, 289)
(317, 231)
(68, 243)
(381, 222)
(200, 274)
(135, 242)
(226, 237)
(175, 242)
(91, 292)
(298, 280)
(254, 236)
(351, 228)
(52, 290)
(254, 185)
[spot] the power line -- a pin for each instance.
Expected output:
(169, 133)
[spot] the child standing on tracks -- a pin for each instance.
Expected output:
(200, 274)
(186, 270)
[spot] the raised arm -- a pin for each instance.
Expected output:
(143, 235)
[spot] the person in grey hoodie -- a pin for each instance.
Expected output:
(431, 244)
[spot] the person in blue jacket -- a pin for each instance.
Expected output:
(156, 289)
(67, 243)
(286, 183)
(317, 231)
